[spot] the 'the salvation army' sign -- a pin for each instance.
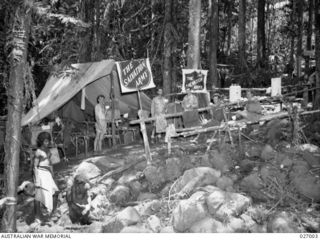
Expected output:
(194, 79)
(135, 75)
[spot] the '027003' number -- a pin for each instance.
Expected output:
(308, 235)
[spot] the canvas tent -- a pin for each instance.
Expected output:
(94, 77)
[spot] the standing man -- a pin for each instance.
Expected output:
(101, 122)
(158, 108)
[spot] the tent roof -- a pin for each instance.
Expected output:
(94, 77)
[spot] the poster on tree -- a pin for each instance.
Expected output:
(135, 75)
(195, 79)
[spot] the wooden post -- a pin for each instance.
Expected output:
(144, 132)
(113, 112)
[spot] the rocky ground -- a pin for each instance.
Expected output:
(261, 184)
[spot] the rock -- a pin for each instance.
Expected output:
(206, 225)
(148, 208)
(253, 150)
(99, 189)
(95, 227)
(135, 189)
(268, 153)
(167, 229)
(146, 196)
(135, 229)
(99, 207)
(281, 223)
(225, 183)
(155, 176)
(250, 225)
(154, 223)
(252, 185)
(311, 159)
(308, 185)
(196, 177)
(88, 171)
(173, 168)
(308, 147)
(112, 225)
(188, 212)
(108, 183)
(120, 195)
(223, 205)
(129, 216)
(220, 160)
(127, 178)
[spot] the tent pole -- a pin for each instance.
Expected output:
(113, 112)
(144, 132)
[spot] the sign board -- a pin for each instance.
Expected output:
(135, 75)
(194, 79)
(275, 87)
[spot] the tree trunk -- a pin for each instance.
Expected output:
(168, 39)
(309, 34)
(229, 12)
(213, 43)
(261, 35)
(86, 37)
(317, 50)
(194, 34)
(174, 56)
(300, 34)
(292, 17)
(242, 34)
(18, 57)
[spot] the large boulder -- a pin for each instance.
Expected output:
(308, 186)
(188, 212)
(173, 168)
(88, 171)
(222, 205)
(129, 216)
(220, 160)
(156, 176)
(113, 225)
(282, 223)
(225, 183)
(194, 178)
(167, 229)
(120, 195)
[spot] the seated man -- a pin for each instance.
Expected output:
(217, 110)
(190, 104)
(190, 101)
(253, 109)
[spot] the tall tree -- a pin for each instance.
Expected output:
(309, 33)
(317, 50)
(18, 44)
(261, 35)
(168, 47)
(194, 34)
(213, 42)
(86, 37)
(242, 34)
(300, 35)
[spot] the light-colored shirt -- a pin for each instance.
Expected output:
(100, 112)
(158, 106)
